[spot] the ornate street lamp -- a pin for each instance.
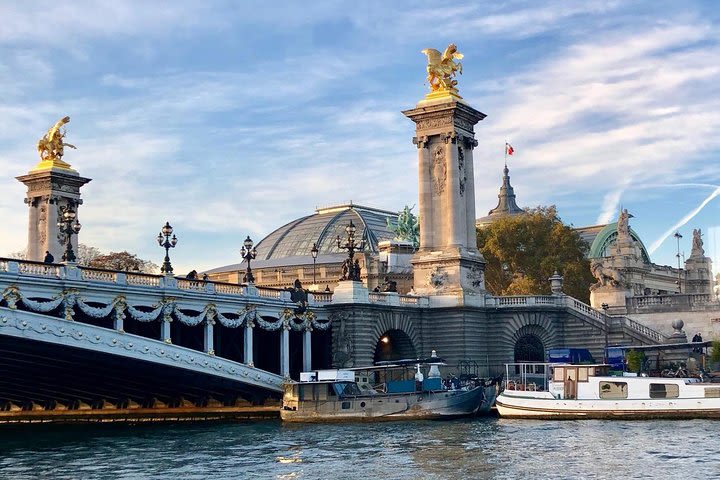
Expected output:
(605, 307)
(351, 269)
(167, 243)
(68, 225)
(678, 237)
(248, 253)
(314, 252)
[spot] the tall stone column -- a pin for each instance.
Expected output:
(52, 185)
(448, 266)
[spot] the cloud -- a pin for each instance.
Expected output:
(689, 216)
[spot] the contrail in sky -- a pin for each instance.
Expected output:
(685, 219)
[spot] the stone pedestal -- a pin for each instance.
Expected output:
(49, 190)
(699, 278)
(448, 262)
(349, 291)
(614, 297)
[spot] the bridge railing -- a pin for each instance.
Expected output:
(522, 300)
(150, 288)
(395, 299)
(675, 302)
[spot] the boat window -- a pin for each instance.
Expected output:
(613, 390)
(348, 389)
(559, 374)
(582, 375)
(712, 392)
(664, 390)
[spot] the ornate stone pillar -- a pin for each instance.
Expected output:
(51, 185)
(248, 343)
(307, 349)
(448, 267)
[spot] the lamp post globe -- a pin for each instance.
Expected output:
(248, 253)
(351, 267)
(314, 252)
(167, 242)
(68, 226)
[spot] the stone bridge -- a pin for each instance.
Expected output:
(76, 339)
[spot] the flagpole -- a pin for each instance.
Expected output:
(506, 144)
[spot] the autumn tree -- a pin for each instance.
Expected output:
(523, 251)
(123, 261)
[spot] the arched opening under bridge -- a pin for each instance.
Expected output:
(394, 345)
(529, 348)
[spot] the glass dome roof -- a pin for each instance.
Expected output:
(296, 238)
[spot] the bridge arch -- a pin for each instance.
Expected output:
(394, 345)
(396, 337)
(525, 334)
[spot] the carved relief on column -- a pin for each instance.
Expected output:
(434, 122)
(461, 168)
(42, 221)
(438, 169)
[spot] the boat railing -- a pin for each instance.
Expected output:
(524, 376)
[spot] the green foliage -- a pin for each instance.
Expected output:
(635, 359)
(523, 251)
(715, 354)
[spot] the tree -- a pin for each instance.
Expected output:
(86, 254)
(123, 261)
(523, 251)
(20, 255)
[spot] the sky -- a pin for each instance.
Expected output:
(231, 118)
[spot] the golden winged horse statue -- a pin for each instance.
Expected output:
(51, 146)
(442, 67)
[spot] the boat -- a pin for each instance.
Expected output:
(568, 391)
(387, 391)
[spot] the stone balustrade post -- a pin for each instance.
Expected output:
(13, 267)
(121, 278)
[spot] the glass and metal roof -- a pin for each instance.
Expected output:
(296, 238)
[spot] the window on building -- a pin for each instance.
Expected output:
(613, 390)
(558, 374)
(664, 390)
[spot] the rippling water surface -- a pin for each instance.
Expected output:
(472, 448)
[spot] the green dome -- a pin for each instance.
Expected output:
(606, 236)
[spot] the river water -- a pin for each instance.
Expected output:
(471, 448)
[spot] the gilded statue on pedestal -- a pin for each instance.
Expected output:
(442, 67)
(51, 146)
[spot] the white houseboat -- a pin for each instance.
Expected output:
(394, 391)
(559, 391)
